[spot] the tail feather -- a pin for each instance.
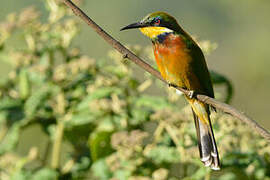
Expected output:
(206, 142)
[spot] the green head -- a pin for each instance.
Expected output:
(155, 24)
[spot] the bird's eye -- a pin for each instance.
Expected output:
(157, 22)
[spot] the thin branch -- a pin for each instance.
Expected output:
(128, 54)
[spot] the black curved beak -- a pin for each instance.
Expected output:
(134, 25)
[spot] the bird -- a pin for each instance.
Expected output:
(181, 63)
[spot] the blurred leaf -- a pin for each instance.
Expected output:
(11, 138)
(21, 175)
(35, 100)
(80, 118)
(139, 115)
(164, 154)
(36, 78)
(45, 174)
(107, 123)
(122, 174)
(154, 102)
(100, 144)
(114, 70)
(198, 174)
(101, 170)
(233, 173)
(133, 83)
(24, 84)
(98, 94)
(78, 136)
(8, 103)
(239, 159)
(78, 80)
(82, 165)
(260, 173)
(228, 176)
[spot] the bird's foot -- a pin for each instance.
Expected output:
(191, 94)
(172, 85)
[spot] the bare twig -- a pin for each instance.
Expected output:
(128, 54)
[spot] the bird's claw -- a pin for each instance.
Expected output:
(172, 85)
(191, 94)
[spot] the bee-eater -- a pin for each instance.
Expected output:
(181, 63)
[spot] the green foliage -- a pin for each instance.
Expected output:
(112, 125)
(45, 174)
(100, 145)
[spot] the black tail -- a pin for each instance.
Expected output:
(206, 142)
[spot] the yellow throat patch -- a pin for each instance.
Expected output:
(153, 32)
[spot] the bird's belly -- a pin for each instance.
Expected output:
(173, 67)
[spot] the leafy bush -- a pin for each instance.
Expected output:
(113, 125)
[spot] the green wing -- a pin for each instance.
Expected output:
(199, 67)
